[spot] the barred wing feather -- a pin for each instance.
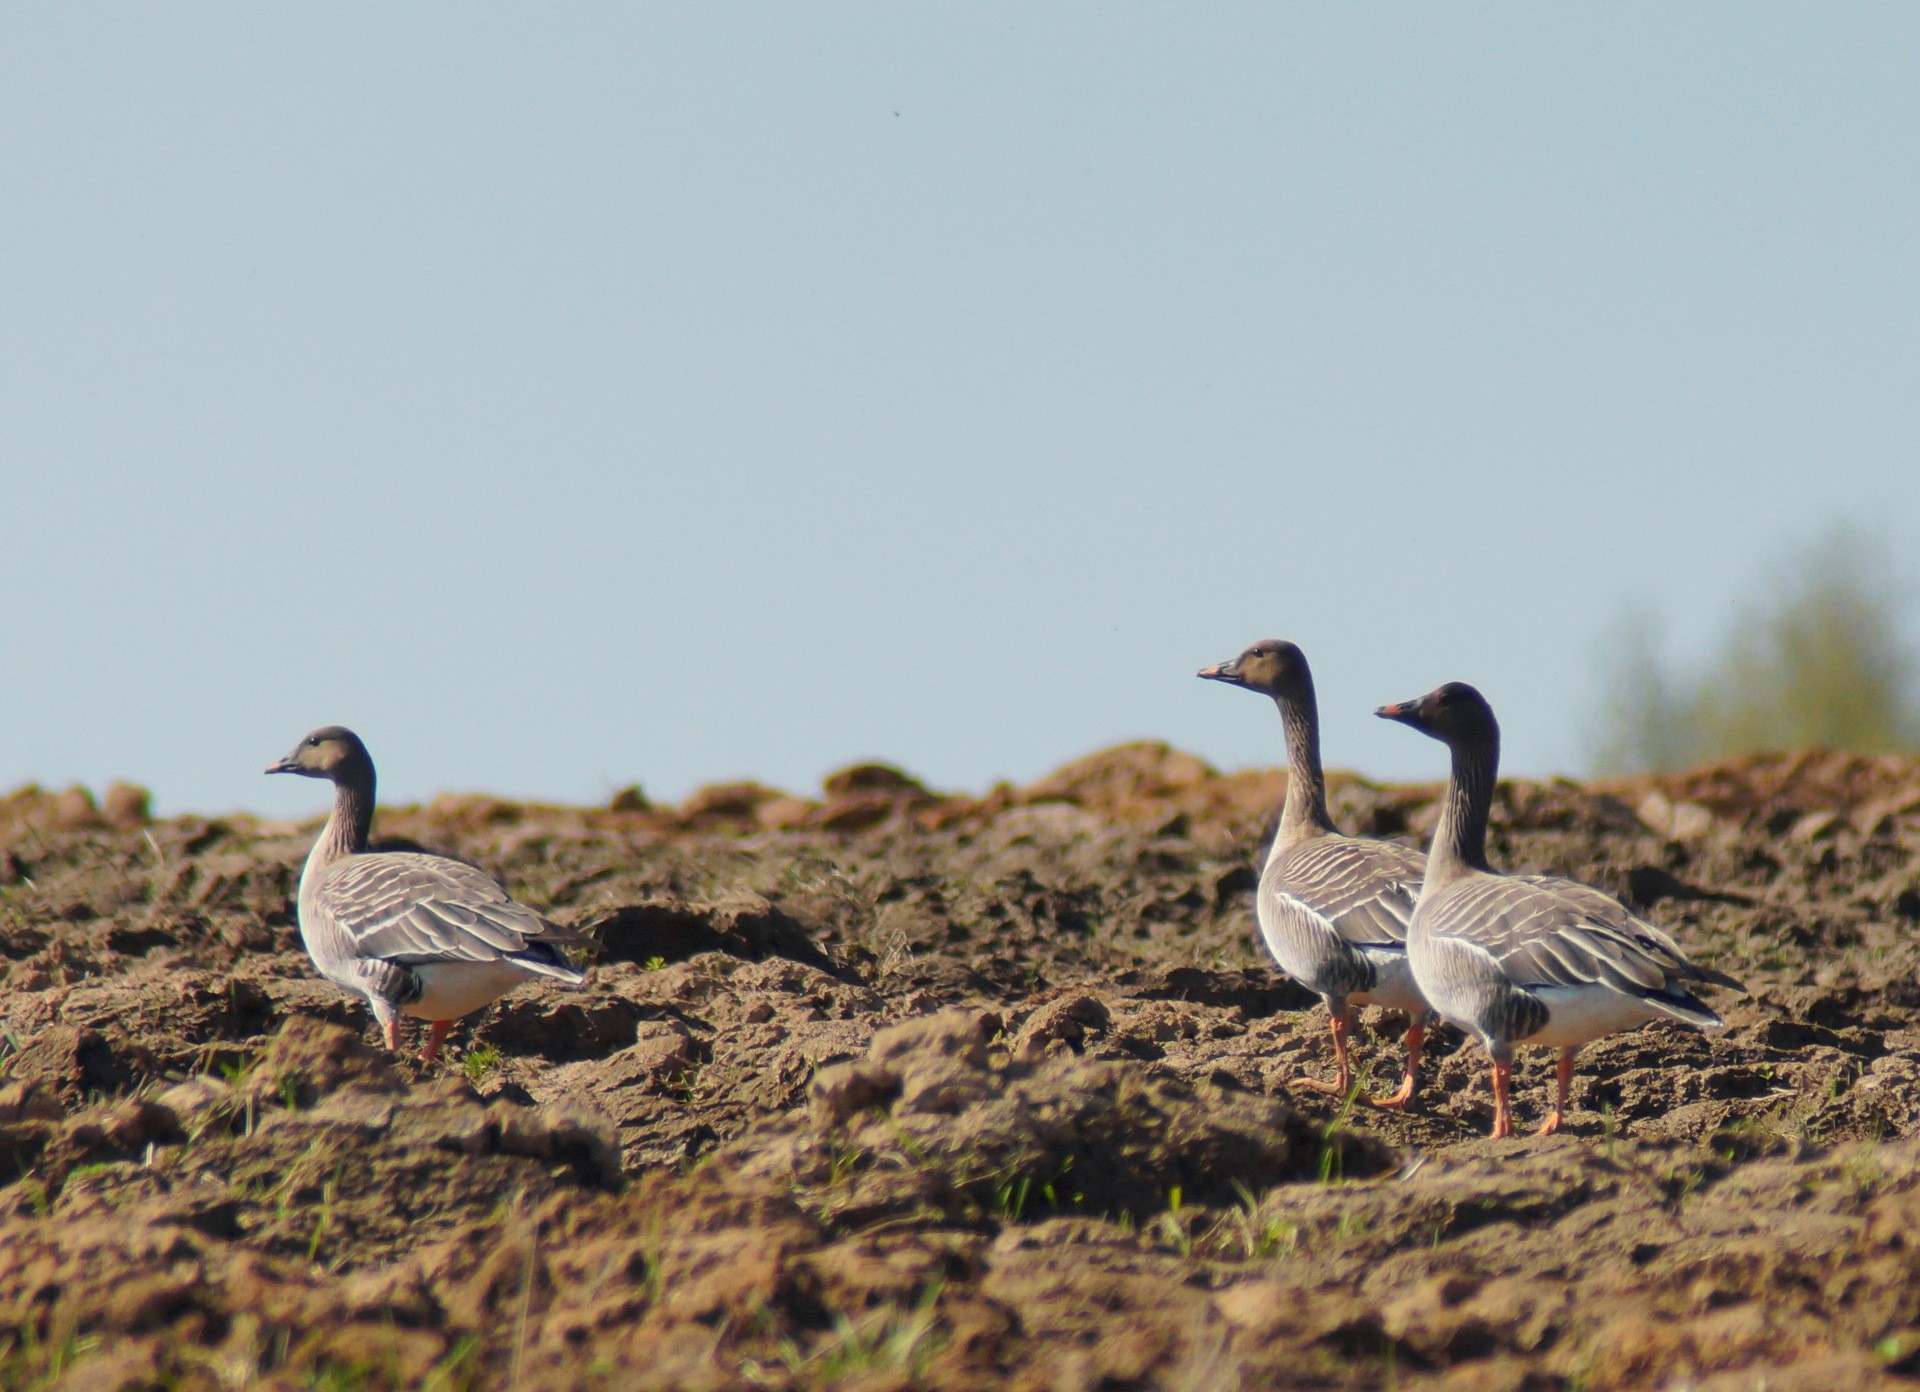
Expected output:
(1365, 889)
(1546, 931)
(411, 908)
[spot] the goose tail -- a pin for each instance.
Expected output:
(1685, 1007)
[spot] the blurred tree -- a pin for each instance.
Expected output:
(1645, 722)
(1823, 660)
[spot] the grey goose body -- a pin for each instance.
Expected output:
(1333, 910)
(1528, 959)
(411, 933)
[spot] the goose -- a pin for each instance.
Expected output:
(1333, 909)
(1528, 959)
(410, 933)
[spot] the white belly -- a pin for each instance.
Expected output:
(1393, 984)
(450, 990)
(1579, 1015)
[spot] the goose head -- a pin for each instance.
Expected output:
(1455, 714)
(1272, 666)
(332, 752)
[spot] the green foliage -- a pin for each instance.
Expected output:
(456, 1371)
(333, 1376)
(890, 1340)
(29, 1362)
(1254, 1236)
(1821, 660)
(1647, 721)
(1176, 1229)
(842, 1160)
(476, 1063)
(323, 1224)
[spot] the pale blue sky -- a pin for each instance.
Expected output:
(564, 397)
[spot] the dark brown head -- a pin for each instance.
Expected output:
(1455, 714)
(332, 752)
(1272, 666)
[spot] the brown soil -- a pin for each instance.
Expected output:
(890, 1089)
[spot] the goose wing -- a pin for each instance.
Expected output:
(1546, 931)
(411, 908)
(1365, 889)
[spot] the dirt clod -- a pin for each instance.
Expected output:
(889, 1088)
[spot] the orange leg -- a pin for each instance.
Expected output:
(435, 1038)
(1416, 1037)
(392, 1032)
(1502, 1103)
(1343, 1071)
(1562, 1080)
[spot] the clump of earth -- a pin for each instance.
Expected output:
(892, 1089)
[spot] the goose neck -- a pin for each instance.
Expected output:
(1460, 841)
(348, 826)
(1305, 812)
